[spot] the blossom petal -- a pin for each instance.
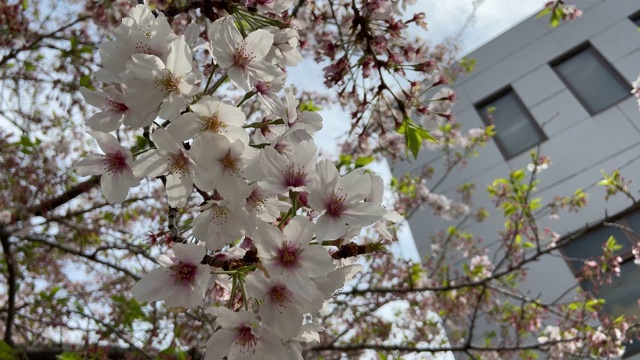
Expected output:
(95, 98)
(151, 163)
(179, 59)
(186, 126)
(219, 344)
(91, 165)
(179, 187)
(147, 67)
(115, 186)
(330, 228)
(259, 43)
(105, 121)
(165, 141)
(189, 253)
(153, 286)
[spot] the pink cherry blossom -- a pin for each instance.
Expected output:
(172, 160)
(182, 281)
(340, 199)
(169, 84)
(115, 166)
(242, 58)
(289, 253)
(241, 336)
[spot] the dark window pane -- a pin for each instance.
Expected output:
(515, 130)
(634, 223)
(592, 81)
(636, 19)
(590, 246)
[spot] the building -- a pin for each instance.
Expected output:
(566, 90)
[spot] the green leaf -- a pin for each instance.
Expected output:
(85, 49)
(6, 351)
(363, 160)
(413, 136)
(130, 308)
(612, 244)
(68, 355)
(25, 141)
(25, 4)
(542, 13)
(425, 135)
(28, 66)
(85, 81)
(48, 296)
(414, 141)
(141, 142)
(556, 17)
(308, 106)
(518, 175)
(74, 43)
(467, 64)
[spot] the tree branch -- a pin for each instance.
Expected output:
(48, 205)
(91, 257)
(11, 283)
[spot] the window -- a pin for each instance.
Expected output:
(594, 83)
(516, 131)
(622, 294)
(635, 18)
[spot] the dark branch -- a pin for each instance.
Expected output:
(11, 279)
(51, 204)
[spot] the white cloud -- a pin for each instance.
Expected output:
(446, 18)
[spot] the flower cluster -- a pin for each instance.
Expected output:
(272, 213)
(562, 11)
(636, 89)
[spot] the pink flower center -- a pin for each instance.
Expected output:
(230, 164)
(294, 175)
(281, 147)
(242, 57)
(179, 163)
(115, 163)
(280, 294)
(119, 107)
(184, 273)
(335, 206)
(288, 255)
(263, 88)
(257, 200)
(168, 82)
(213, 124)
(246, 339)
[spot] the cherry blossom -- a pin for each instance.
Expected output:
(289, 254)
(283, 173)
(243, 58)
(339, 198)
(222, 221)
(140, 33)
(114, 110)
(172, 160)
(226, 162)
(115, 166)
(170, 84)
(241, 336)
(181, 282)
(211, 116)
(282, 308)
